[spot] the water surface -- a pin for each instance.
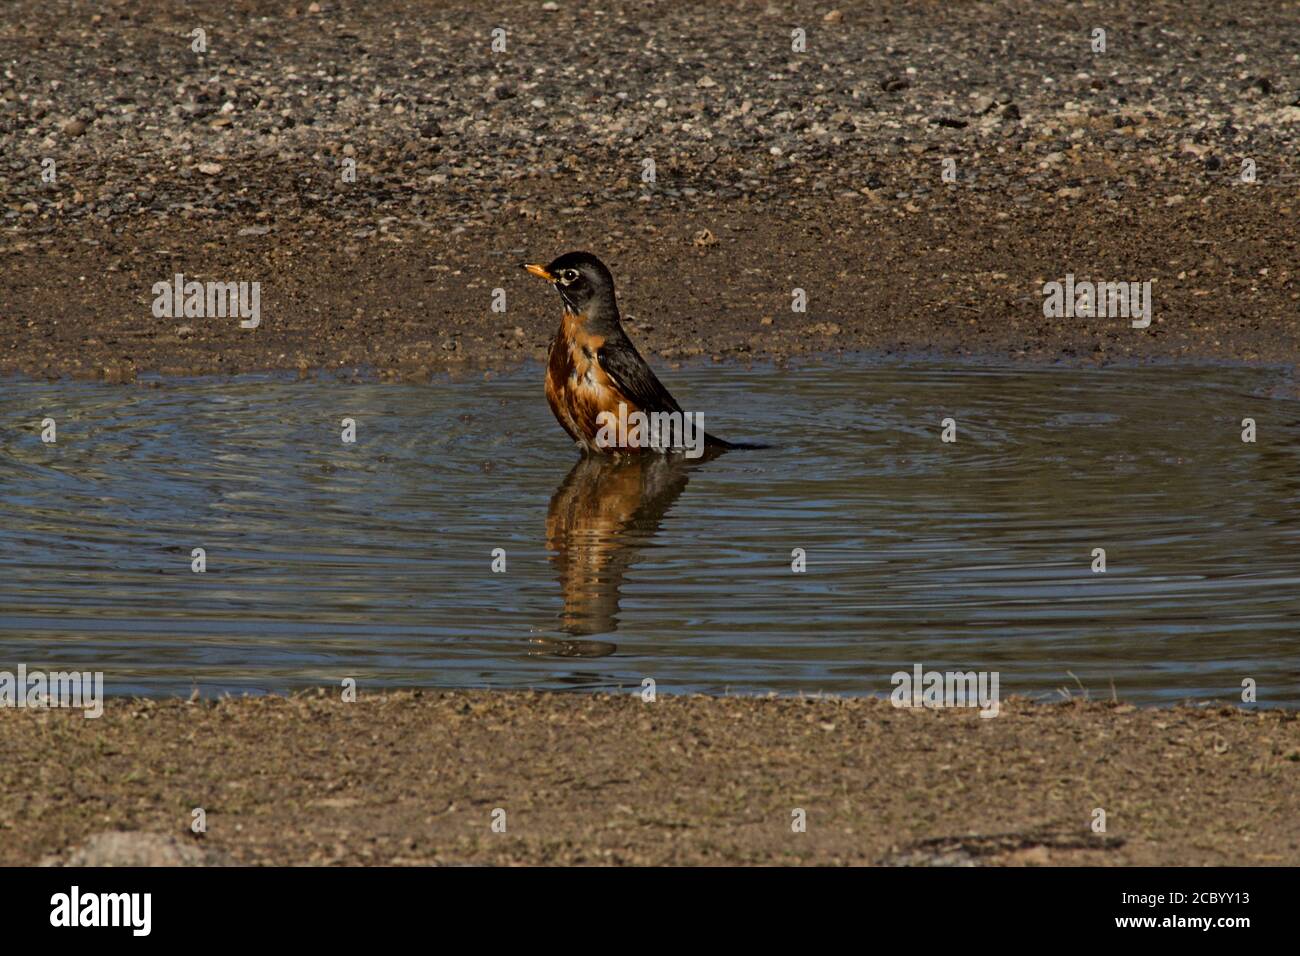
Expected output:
(374, 560)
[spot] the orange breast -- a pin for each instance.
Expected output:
(577, 388)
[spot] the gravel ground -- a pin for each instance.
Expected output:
(401, 778)
(775, 169)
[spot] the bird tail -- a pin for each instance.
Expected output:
(712, 441)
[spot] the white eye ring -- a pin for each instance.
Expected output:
(569, 276)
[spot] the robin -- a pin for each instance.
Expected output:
(593, 367)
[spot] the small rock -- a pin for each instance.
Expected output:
(210, 169)
(123, 848)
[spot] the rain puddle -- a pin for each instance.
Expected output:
(374, 560)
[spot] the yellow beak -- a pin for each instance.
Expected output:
(539, 271)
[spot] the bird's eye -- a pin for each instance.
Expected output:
(568, 276)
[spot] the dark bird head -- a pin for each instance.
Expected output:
(583, 282)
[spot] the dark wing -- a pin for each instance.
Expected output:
(632, 376)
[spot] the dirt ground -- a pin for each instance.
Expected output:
(414, 778)
(951, 281)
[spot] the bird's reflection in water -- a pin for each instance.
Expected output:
(604, 511)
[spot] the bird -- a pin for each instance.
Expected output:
(593, 367)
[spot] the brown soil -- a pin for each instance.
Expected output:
(414, 778)
(952, 279)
